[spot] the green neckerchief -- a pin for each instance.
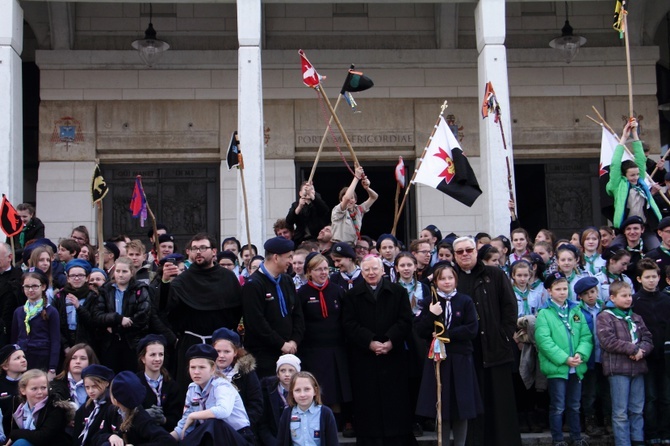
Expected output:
(665, 250)
(564, 315)
(614, 277)
(22, 236)
(524, 297)
(626, 316)
(536, 284)
(639, 190)
(31, 312)
(571, 294)
(590, 261)
(639, 249)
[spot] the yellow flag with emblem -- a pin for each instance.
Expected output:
(98, 186)
(620, 9)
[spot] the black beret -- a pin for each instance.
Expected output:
(585, 284)
(128, 390)
(150, 339)
(570, 247)
(99, 371)
(433, 230)
(111, 247)
(28, 250)
(279, 245)
(553, 277)
(635, 219)
(611, 250)
(227, 334)
(387, 237)
(165, 238)
(201, 351)
(343, 249)
(230, 255)
(505, 242)
(309, 257)
(7, 351)
(664, 223)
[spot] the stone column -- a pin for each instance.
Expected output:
(11, 105)
(492, 67)
(250, 119)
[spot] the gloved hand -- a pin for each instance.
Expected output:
(156, 412)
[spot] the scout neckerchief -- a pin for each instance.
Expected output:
(626, 316)
(516, 258)
(639, 248)
(91, 418)
(612, 277)
(640, 191)
(351, 277)
(447, 307)
(410, 287)
(590, 261)
(391, 267)
(322, 299)
(571, 277)
(536, 284)
(280, 293)
(524, 297)
(665, 250)
(74, 385)
(204, 393)
(357, 225)
(31, 311)
(156, 386)
(563, 314)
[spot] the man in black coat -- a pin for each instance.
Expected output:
(202, 299)
(308, 215)
(273, 320)
(10, 283)
(491, 291)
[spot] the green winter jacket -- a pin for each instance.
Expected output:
(618, 186)
(554, 346)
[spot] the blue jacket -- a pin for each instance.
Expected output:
(327, 434)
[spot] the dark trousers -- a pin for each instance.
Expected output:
(656, 402)
(118, 356)
(596, 392)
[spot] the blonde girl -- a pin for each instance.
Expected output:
(593, 261)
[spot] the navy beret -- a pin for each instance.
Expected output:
(309, 257)
(202, 351)
(7, 351)
(99, 371)
(227, 334)
(553, 277)
(128, 390)
(585, 284)
(634, 220)
(569, 247)
(279, 245)
(150, 339)
(98, 270)
(111, 247)
(343, 249)
(664, 223)
(505, 242)
(433, 230)
(165, 238)
(387, 237)
(175, 258)
(28, 250)
(78, 263)
(611, 250)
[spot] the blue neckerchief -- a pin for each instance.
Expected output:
(156, 385)
(280, 293)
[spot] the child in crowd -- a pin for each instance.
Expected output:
(41, 418)
(590, 241)
(33, 228)
(617, 258)
(594, 383)
(130, 424)
(96, 279)
(564, 344)
(625, 341)
(40, 260)
(445, 252)
(347, 216)
(12, 365)
(489, 255)
(568, 260)
(653, 306)
(546, 251)
(91, 415)
(387, 245)
(520, 244)
(298, 263)
(122, 310)
(214, 413)
(163, 397)
(545, 236)
(607, 235)
(502, 244)
(349, 273)
(405, 267)
(239, 367)
(528, 300)
(450, 315)
(306, 419)
(70, 381)
(36, 325)
(275, 398)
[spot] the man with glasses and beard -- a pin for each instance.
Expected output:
(491, 291)
(202, 299)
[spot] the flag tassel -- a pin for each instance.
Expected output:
(604, 123)
(416, 169)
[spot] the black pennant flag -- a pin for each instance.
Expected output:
(9, 218)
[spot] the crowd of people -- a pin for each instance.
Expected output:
(331, 331)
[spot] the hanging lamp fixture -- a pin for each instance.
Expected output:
(568, 44)
(150, 48)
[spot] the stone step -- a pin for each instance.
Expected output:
(541, 439)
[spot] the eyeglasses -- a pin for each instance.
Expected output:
(460, 252)
(200, 248)
(31, 287)
(76, 276)
(320, 270)
(362, 248)
(423, 252)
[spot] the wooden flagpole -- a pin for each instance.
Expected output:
(153, 219)
(101, 262)
(11, 241)
(664, 158)
(607, 126)
(628, 67)
(339, 124)
(395, 209)
(323, 141)
(443, 107)
(240, 160)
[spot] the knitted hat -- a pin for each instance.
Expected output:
(128, 390)
(290, 360)
(78, 263)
